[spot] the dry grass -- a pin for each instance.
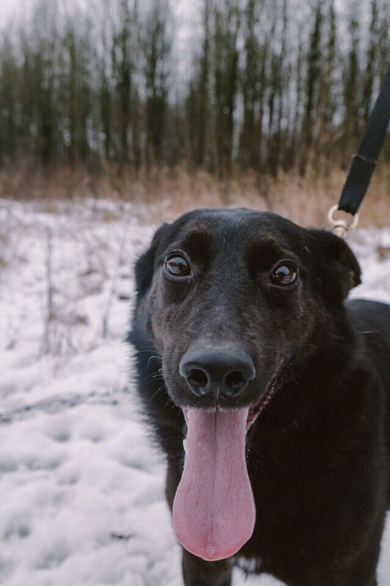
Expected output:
(163, 193)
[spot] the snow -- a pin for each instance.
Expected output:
(81, 484)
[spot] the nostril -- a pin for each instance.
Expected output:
(198, 378)
(235, 380)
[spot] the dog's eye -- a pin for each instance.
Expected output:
(177, 266)
(285, 274)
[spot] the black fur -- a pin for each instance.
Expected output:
(317, 455)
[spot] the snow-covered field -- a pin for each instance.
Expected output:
(81, 485)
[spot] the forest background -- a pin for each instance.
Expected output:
(261, 102)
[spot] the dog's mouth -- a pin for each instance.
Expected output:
(214, 510)
(256, 409)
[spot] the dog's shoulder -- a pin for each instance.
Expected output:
(372, 322)
(374, 316)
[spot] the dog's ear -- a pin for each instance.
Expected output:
(144, 266)
(339, 260)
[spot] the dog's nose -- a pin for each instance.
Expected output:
(216, 370)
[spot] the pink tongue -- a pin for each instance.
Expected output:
(214, 510)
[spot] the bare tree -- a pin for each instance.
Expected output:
(227, 20)
(274, 85)
(157, 49)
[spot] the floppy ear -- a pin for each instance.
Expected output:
(343, 270)
(144, 266)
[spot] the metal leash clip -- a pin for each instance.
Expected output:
(341, 227)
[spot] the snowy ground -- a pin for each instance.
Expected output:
(81, 486)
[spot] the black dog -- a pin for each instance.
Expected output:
(246, 351)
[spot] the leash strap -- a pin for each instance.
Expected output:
(364, 162)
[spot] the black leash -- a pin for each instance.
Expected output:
(364, 161)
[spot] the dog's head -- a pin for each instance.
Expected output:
(229, 297)
(235, 302)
